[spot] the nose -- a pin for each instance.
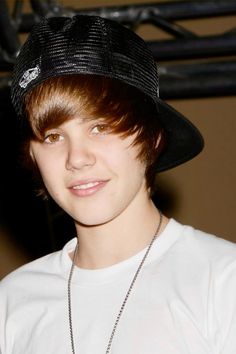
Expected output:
(79, 156)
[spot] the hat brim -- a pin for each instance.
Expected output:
(183, 140)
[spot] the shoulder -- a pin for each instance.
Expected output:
(203, 264)
(212, 246)
(205, 250)
(42, 270)
(23, 274)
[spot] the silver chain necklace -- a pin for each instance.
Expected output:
(124, 301)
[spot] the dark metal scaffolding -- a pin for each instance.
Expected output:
(193, 78)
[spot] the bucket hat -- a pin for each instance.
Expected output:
(94, 45)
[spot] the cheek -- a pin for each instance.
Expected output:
(49, 170)
(123, 153)
(134, 164)
(130, 168)
(44, 165)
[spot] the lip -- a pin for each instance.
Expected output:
(87, 187)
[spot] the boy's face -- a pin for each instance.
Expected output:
(93, 174)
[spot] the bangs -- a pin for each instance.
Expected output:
(124, 108)
(61, 98)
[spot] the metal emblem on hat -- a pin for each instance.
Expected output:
(28, 76)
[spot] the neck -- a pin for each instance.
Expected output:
(104, 245)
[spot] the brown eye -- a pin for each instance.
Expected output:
(53, 138)
(100, 128)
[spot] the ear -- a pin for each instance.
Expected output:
(31, 154)
(158, 140)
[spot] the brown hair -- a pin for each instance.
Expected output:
(123, 107)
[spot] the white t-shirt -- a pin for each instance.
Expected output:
(183, 302)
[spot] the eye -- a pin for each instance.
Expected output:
(53, 138)
(100, 128)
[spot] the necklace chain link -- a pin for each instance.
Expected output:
(126, 296)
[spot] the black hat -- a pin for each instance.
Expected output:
(94, 45)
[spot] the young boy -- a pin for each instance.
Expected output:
(95, 133)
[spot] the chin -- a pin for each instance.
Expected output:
(92, 218)
(93, 221)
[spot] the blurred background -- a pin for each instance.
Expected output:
(194, 43)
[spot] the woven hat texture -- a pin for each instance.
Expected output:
(94, 45)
